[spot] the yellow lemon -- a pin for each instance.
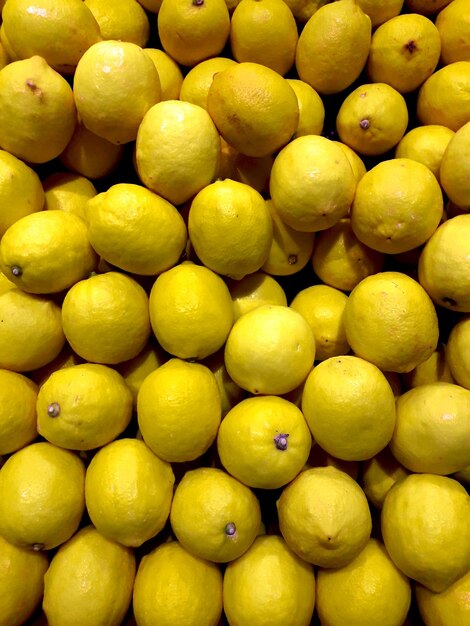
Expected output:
(425, 144)
(463, 476)
(236, 214)
(43, 495)
(442, 267)
(311, 108)
(31, 333)
(304, 9)
(106, 319)
(151, 5)
(323, 308)
(65, 358)
(454, 170)
(448, 608)
(114, 86)
(319, 458)
(380, 11)
(324, 517)
(169, 72)
(458, 353)
(125, 20)
(17, 411)
(6, 45)
(355, 161)
(89, 580)
(265, 32)
(434, 369)
(349, 407)
(254, 108)
(338, 37)
(21, 191)
(312, 184)
(368, 590)
(47, 252)
(182, 133)
(179, 410)
(253, 171)
(426, 7)
(390, 321)
(264, 442)
(213, 515)
(269, 584)
(58, 33)
(453, 25)
(442, 98)
(83, 407)
(379, 474)
(340, 260)
(68, 192)
(372, 119)
(22, 582)
(128, 492)
(425, 524)
(191, 311)
(4, 56)
(230, 393)
(397, 207)
(193, 31)
(90, 155)
(172, 586)
(255, 290)
(135, 370)
(37, 110)
(196, 84)
(404, 52)
(270, 350)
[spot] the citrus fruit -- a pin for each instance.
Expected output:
(454, 171)
(255, 290)
(230, 393)
(457, 351)
(17, 411)
(426, 7)
(379, 474)
(304, 9)
(434, 369)
(135, 370)
(446, 608)
(311, 108)
(169, 72)
(123, 21)
(355, 161)
(453, 23)
(380, 11)
(69, 192)
(196, 84)
(425, 144)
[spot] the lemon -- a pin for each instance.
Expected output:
(47, 252)
(270, 350)
(89, 580)
(191, 311)
(304, 9)
(106, 319)
(425, 525)
(17, 411)
(58, 33)
(182, 133)
(22, 582)
(312, 184)
(323, 308)
(379, 474)
(340, 260)
(6, 45)
(125, 21)
(434, 369)
(6, 285)
(264, 442)
(269, 584)
(236, 214)
(355, 161)
(68, 192)
(83, 407)
(452, 23)
(432, 429)
(114, 86)
(457, 351)
(31, 333)
(426, 7)
(4, 56)
(255, 290)
(169, 72)
(179, 410)
(338, 37)
(380, 11)
(65, 358)
(230, 393)
(193, 31)
(463, 476)
(173, 586)
(372, 119)
(442, 267)
(390, 321)
(213, 515)
(151, 5)
(311, 108)
(447, 608)
(442, 98)
(254, 108)
(253, 171)
(265, 32)
(425, 144)
(42, 490)
(135, 370)
(324, 517)
(454, 170)
(90, 155)
(404, 52)
(37, 110)
(196, 84)
(319, 458)
(369, 590)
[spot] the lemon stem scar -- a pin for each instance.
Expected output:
(198, 3)
(16, 270)
(364, 124)
(37, 547)
(53, 410)
(281, 441)
(230, 529)
(292, 260)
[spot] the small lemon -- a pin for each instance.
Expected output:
(17, 411)
(390, 321)
(368, 590)
(355, 161)
(253, 171)
(448, 608)
(311, 108)
(173, 586)
(434, 369)
(255, 290)
(169, 72)
(135, 370)
(151, 5)
(380, 11)
(337, 36)
(270, 350)
(230, 393)
(196, 84)
(452, 23)
(458, 351)
(304, 9)
(191, 311)
(125, 20)
(4, 56)
(372, 119)
(6, 45)
(425, 524)
(68, 192)
(89, 581)
(269, 584)
(319, 458)
(426, 7)
(106, 319)
(114, 86)
(324, 517)
(179, 410)
(312, 184)
(425, 144)
(42, 490)
(454, 170)
(65, 358)
(213, 515)
(379, 474)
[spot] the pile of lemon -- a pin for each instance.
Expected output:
(235, 312)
